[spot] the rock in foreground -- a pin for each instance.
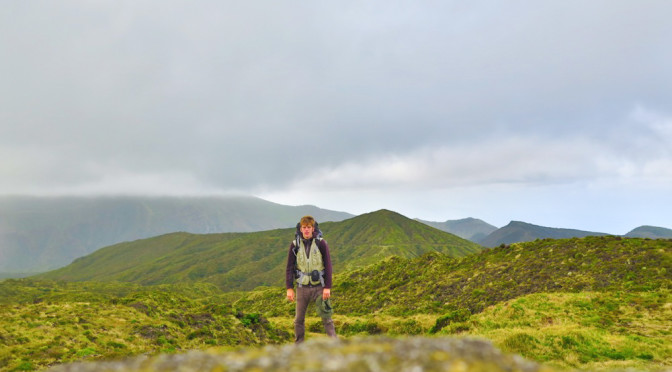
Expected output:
(352, 355)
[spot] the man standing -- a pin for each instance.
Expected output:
(309, 262)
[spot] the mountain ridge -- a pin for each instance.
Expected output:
(242, 261)
(518, 231)
(468, 228)
(479, 231)
(43, 233)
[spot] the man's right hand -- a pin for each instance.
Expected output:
(290, 295)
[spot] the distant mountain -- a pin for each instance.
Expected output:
(651, 232)
(517, 231)
(39, 234)
(243, 261)
(468, 228)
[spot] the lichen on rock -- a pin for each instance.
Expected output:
(426, 354)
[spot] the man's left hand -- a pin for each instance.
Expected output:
(326, 293)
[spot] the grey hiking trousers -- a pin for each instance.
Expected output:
(304, 296)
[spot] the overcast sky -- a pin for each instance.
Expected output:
(556, 113)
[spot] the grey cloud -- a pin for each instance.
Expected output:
(237, 95)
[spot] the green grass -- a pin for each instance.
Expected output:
(591, 303)
(87, 321)
(587, 330)
(607, 300)
(596, 331)
(436, 284)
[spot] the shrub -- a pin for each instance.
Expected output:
(250, 319)
(25, 366)
(116, 345)
(460, 315)
(405, 327)
(368, 327)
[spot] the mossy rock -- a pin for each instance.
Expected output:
(352, 355)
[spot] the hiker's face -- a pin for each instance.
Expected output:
(307, 231)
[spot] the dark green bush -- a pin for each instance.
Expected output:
(456, 316)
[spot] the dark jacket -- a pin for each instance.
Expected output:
(291, 262)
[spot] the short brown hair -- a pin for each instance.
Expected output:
(307, 220)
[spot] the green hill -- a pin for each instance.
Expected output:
(371, 237)
(436, 284)
(516, 232)
(243, 261)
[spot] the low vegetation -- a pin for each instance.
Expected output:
(595, 331)
(595, 303)
(586, 330)
(437, 284)
(49, 323)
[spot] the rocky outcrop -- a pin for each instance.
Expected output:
(351, 355)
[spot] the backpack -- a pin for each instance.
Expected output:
(317, 234)
(298, 236)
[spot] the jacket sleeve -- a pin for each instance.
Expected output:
(289, 272)
(326, 257)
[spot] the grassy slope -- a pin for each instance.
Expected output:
(48, 322)
(588, 330)
(372, 237)
(594, 331)
(594, 303)
(437, 283)
(59, 322)
(236, 261)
